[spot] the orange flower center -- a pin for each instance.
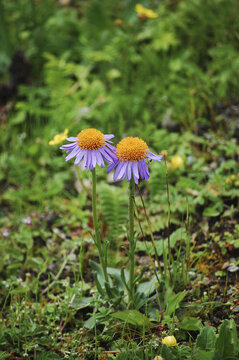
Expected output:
(90, 139)
(132, 149)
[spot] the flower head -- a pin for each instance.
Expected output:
(144, 13)
(59, 138)
(131, 155)
(169, 341)
(91, 147)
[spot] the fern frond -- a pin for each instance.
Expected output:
(114, 209)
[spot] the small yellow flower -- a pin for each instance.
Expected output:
(169, 341)
(144, 13)
(176, 162)
(59, 138)
(158, 358)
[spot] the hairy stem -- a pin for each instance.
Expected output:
(96, 226)
(169, 211)
(131, 241)
(150, 229)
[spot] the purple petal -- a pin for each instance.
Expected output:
(71, 138)
(79, 156)
(85, 159)
(99, 159)
(122, 172)
(73, 153)
(145, 169)
(108, 137)
(105, 155)
(93, 156)
(91, 166)
(141, 169)
(129, 171)
(154, 157)
(112, 166)
(135, 171)
(111, 154)
(89, 160)
(118, 169)
(111, 147)
(67, 146)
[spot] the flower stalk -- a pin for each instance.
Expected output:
(169, 213)
(96, 228)
(131, 241)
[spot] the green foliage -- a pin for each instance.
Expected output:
(206, 339)
(169, 80)
(173, 303)
(115, 211)
(225, 346)
(133, 317)
(188, 73)
(4, 355)
(190, 324)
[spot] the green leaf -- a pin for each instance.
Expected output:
(191, 324)
(90, 323)
(211, 211)
(203, 355)
(80, 302)
(133, 317)
(206, 339)
(174, 301)
(167, 353)
(4, 355)
(227, 340)
(148, 287)
(97, 268)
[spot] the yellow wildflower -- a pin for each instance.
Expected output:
(158, 358)
(59, 138)
(176, 162)
(169, 341)
(144, 13)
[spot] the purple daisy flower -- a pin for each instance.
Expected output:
(132, 153)
(90, 147)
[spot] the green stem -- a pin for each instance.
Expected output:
(150, 230)
(131, 241)
(169, 212)
(96, 226)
